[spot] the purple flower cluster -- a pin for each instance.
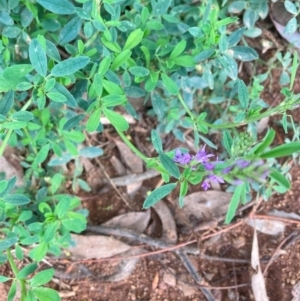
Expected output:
(236, 169)
(202, 157)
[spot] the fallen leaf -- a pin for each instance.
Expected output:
(137, 221)
(270, 227)
(96, 246)
(257, 281)
(169, 279)
(118, 166)
(12, 168)
(206, 205)
(155, 281)
(169, 231)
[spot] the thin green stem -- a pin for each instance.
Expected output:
(16, 272)
(185, 107)
(4, 142)
(131, 146)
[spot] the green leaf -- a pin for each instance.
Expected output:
(70, 66)
(13, 75)
(14, 125)
(268, 139)
(12, 291)
(6, 103)
(237, 6)
(42, 154)
(91, 152)
(38, 57)
(71, 148)
(157, 194)
(227, 141)
(27, 270)
(179, 48)
(56, 96)
(3, 279)
(134, 39)
(290, 7)
(169, 165)
(280, 179)
(243, 94)
(104, 65)
(184, 61)
(39, 252)
(238, 194)
(204, 55)
(16, 199)
(161, 7)
(120, 59)
(75, 136)
(243, 53)
(60, 7)
(7, 243)
(169, 84)
(42, 278)
(22, 116)
(117, 120)
(156, 141)
(74, 225)
(291, 26)
(70, 31)
(51, 229)
(93, 121)
(62, 207)
(113, 100)
(139, 71)
(183, 191)
(3, 185)
(46, 294)
(282, 150)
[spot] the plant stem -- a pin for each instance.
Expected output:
(185, 107)
(4, 142)
(131, 146)
(16, 272)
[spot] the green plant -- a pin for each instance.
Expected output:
(65, 64)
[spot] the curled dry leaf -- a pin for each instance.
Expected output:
(133, 162)
(169, 231)
(270, 227)
(96, 246)
(258, 282)
(206, 205)
(137, 221)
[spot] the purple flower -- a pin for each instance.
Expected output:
(205, 185)
(182, 158)
(209, 166)
(215, 178)
(202, 156)
(227, 169)
(242, 163)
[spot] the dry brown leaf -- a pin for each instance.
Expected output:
(96, 246)
(169, 231)
(283, 214)
(137, 221)
(258, 282)
(205, 205)
(12, 168)
(155, 281)
(270, 227)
